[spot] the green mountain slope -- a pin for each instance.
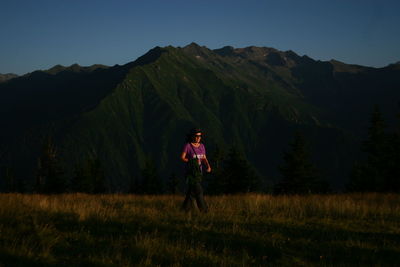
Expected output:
(253, 98)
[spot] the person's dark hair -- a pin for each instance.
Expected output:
(192, 133)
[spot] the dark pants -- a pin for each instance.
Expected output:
(194, 191)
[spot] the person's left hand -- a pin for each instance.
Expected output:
(208, 169)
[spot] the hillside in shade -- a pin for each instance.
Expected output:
(252, 98)
(6, 77)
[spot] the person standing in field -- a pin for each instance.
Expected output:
(194, 155)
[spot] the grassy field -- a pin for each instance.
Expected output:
(246, 230)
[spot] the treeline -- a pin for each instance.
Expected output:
(380, 170)
(51, 175)
(231, 173)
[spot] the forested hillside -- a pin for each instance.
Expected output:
(253, 99)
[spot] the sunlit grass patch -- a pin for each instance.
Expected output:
(241, 230)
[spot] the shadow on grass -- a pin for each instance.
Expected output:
(314, 242)
(210, 240)
(9, 259)
(81, 241)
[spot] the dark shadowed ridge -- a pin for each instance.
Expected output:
(253, 97)
(45, 103)
(75, 68)
(62, 91)
(264, 55)
(251, 52)
(225, 51)
(339, 66)
(151, 56)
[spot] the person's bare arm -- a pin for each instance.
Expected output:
(183, 157)
(205, 160)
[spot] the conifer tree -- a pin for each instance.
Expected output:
(12, 183)
(134, 186)
(151, 183)
(20, 186)
(239, 176)
(173, 184)
(89, 177)
(216, 181)
(299, 175)
(98, 176)
(371, 175)
(376, 147)
(392, 181)
(357, 180)
(50, 177)
(81, 181)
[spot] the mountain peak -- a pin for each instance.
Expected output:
(193, 45)
(339, 66)
(56, 69)
(225, 51)
(196, 50)
(249, 51)
(262, 55)
(151, 56)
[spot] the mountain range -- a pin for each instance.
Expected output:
(252, 98)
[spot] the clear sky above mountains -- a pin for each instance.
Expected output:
(42, 33)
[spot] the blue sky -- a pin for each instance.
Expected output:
(40, 34)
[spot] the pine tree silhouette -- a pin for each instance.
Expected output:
(393, 169)
(216, 181)
(50, 177)
(151, 183)
(81, 181)
(98, 176)
(89, 177)
(299, 175)
(10, 180)
(134, 186)
(239, 175)
(371, 174)
(173, 184)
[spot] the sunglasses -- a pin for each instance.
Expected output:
(197, 135)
